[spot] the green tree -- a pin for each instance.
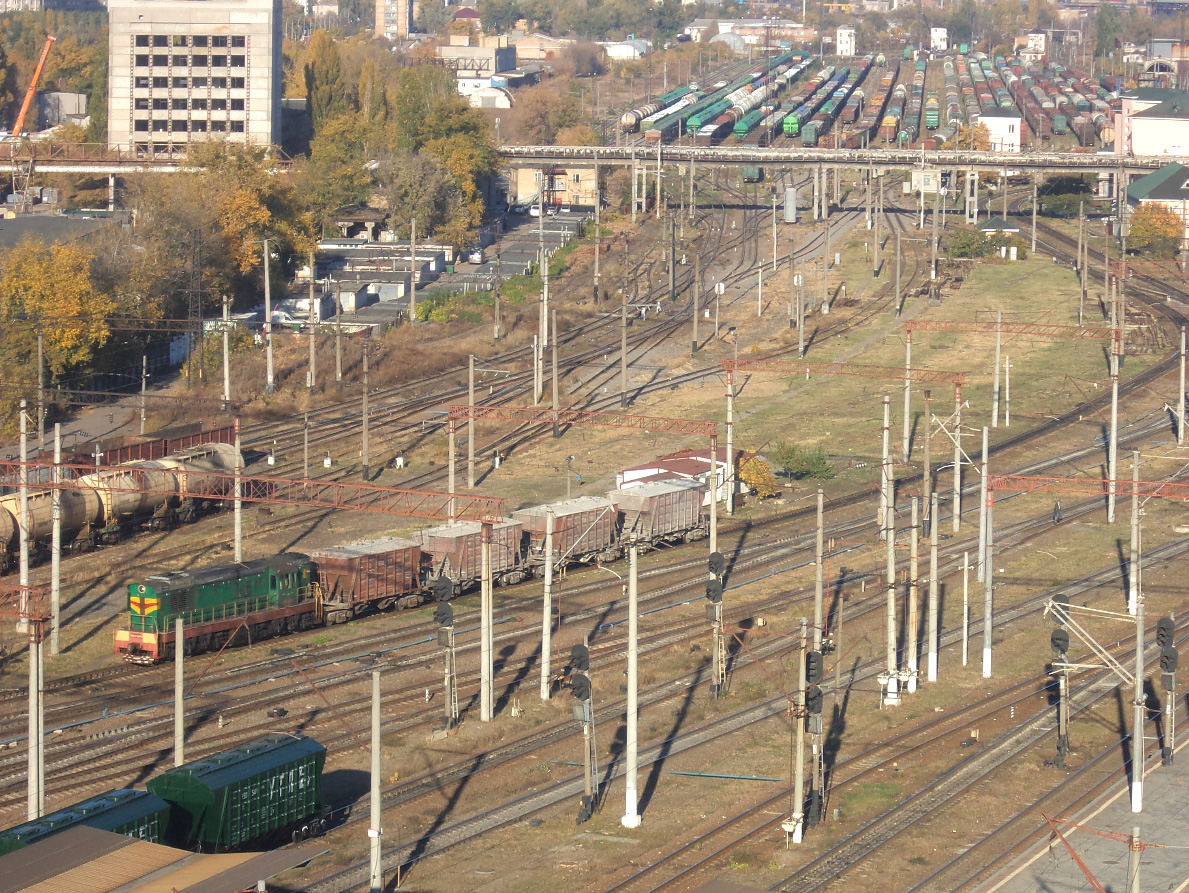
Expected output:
(1154, 230)
(798, 463)
(335, 174)
(432, 17)
(325, 89)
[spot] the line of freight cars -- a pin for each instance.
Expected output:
(809, 98)
(290, 592)
(678, 121)
(739, 104)
(1057, 100)
(863, 131)
(630, 121)
(110, 505)
(823, 119)
(255, 794)
(761, 126)
(910, 123)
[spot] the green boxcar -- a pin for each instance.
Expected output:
(245, 794)
(136, 814)
(753, 174)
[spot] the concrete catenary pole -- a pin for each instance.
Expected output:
(1133, 557)
(927, 471)
(375, 826)
(988, 578)
(907, 393)
(1034, 216)
(914, 605)
(1139, 705)
(623, 353)
(413, 272)
(982, 510)
(957, 517)
(799, 771)
(965, 608)
(364, 452)
(34, 774)
(451, 461)
(144, 383)
(1113, 449)
(269, 382)
(1181, 394)
(56, 547)
(547, 610)
(238, 521)
(179, 693)
(731, 439)
(712, 486)
(1007, 390)
(471, 423)
(486, 701)
(819, 571)
(884, 468)
(998, 358)
(338, 343)
(631, 814)
(934, 593)
(553, 373)
(893, 689)
(226, 361)
(696, 298)
(313, 319)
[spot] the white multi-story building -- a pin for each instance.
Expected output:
(180, 71)
(845, 41)
(939, 40)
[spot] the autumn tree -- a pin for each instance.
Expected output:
(1154, 230)
(757, 476)
(325, 89)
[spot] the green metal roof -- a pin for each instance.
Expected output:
(204, 777)
(169, 581)
(998, 224)
(1166, 184)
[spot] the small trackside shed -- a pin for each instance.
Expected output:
(132, 813)
(239, 796)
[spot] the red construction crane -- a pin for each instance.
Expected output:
(32, 91)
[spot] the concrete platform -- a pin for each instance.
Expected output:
(1164, 823)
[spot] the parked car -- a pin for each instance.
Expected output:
(475, 255)
(519, 209)
(534, 211)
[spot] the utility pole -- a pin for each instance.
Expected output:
(1181, 395)
(471, 423)
(40, 390)
(486, 701)
(238, 524)
(413, 272)
(1113, 450)
(553, 376)
(366, 387)
(988, 576)
(927, 472)
(623, 353)
(957, 519)
(982, 511)
(885, 466)
(799, 777)
(934, 594)
(598, 227)
(314, 319)
(696, 297)
(305, 446)
(375, 830)
(499, 285)
(1133, 593)
(269, 385)
(56, 545)
(819, 572)
(631, 814)
(547, 610)
(891, 681)
(731, 434)
(1138, 706)
(914, 608)
(144, 381)
(672, 259)
(965, 608)
(1034, 215)
(998, 357)
(907, 393)
(338, 343)
(933, 239)
(179, 694)
(226, 364)
(1007, 391)
(898, 256)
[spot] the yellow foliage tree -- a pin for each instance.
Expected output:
(51, 287)
(1154, 230)
(757, 476)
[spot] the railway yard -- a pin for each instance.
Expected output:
(932, 747)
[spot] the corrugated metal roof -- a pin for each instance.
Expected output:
(465, 528)
(568, 506)
(110, 871)
(245, 761)
(660, 488)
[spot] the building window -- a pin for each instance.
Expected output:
(219, 83)
(159, 125)
(179, 125)
(141, 104)
(141, 126)
(238, 61)
(160, 83)
(160, 40)
(141, 83)
(179, 61)
(180, 40)
(219, 40)
(237, 126)
(219, 61)
(199, 104)
(199, 62)
(179, 105)
(161, 103)
(577, 178)
(237, 105)
(218, 105)
(198, 126)
(142, 60)
(142, 40)
(239, 41)
(161, 59)
(181, 83)
(199, 82)
(237, 83)
(218, 126)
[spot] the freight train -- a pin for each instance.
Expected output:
(270, 597)
(112, 504)
(265, 791)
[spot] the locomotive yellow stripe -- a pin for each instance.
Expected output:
(142, 606)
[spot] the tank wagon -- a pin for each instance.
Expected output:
(631, 120)
(109, 505)
(266, 789)
(865, 130)
(807, 101)
(137, 814)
